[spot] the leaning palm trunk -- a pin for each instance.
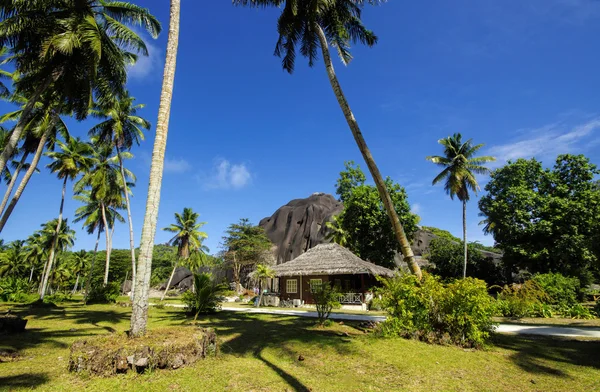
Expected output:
(107, 235)
(407, 252)
(88, 283)
(76, 284)
(13, 181)
(139, 314)
(28, 174)
(131, 240)
(52, 255)
(169, 283)
(465, 236)
(31, 274)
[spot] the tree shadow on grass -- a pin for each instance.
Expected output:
(287, 377)
(26, 380)
(540, 355)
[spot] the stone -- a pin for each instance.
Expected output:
(141, 363)
(126, 286)
(178, 361)
(9, 323)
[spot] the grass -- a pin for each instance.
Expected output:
(554, 321)
(260, 352)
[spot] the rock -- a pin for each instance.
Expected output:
(122, 364)
(9, 323)
(178, 361)
(130, 359)
(186, 283)
(300, 358)
(300, 225)
(141, 363)
(126, 286)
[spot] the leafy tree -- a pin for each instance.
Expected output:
(326, 299)
(139, 313)
(545, 220)
(318, 24)
(77, 50)
(121, 128)
(188, 238)
(369, 233)
(460, 166)
(244, 245)
(72, 159)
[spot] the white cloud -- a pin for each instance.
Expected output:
(179, 165)
(547, 142)
(416, 208)
(146, 65)
(226, 175)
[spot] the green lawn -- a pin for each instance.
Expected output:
(260, 352)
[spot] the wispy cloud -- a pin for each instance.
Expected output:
(177, 165)
(415, 208)
(548, 141)
(146, 65)
(227, 175)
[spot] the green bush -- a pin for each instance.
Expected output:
(578, 311)
(560, 290)
(57, 298)
(15, 290)
(459, 313)
(597, 308)
(100, 294)
(519, 300)
(207, 295)
(326, 299)
(542, 310)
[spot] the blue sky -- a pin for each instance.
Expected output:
(246, 137)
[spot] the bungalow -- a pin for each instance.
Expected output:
(328, 263)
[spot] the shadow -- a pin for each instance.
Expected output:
(534, 354)
(288, 378)
(24, 380)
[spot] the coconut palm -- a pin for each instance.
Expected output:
(76, 49)
(121, 128)
(336, 234)
(35, 253)
(139, 311)
(261, 274)
(79, 263)
(460, 166)
(318, 24)
(73, 158)
(105, 184)
(51, 239)
(14, 263)
(188, 237)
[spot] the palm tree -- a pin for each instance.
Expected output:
(14, 263)
(262, 273)
(78, 265)
(105, 184)
(35, 253)
(460, 166)
(72, 159)
(139, 311)
(75, 49)
(320, 23)
(336, 234)
(188, 238)
(121, 129)
(50, 239)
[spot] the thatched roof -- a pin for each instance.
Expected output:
(329, 259)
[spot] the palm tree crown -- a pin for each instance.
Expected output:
(73, 158)
(460, 166)
(188, 237)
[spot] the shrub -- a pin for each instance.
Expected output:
(578, 311)
(597, 308)
(101, 294)
(14, 290)
(519, 300)
(560, 290)
(460, 312)
(326, 299)
(57, 298)
(542, 310)
(207, 295)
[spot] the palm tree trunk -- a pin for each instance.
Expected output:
(465, 236)
(407, 252)
(55, 242)
(31, 274)
(260, 295)
(169, 283)
(139, 314)
(88, 284)
(23, 121)
(107, 235)
(76, 283)
(13, 181)
(131, 240)
(28, 174)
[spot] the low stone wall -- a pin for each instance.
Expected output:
(167, 348)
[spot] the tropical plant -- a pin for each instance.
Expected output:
(460, 166)
(14, 289)
(336, 232)
(35, 253)
(261, 274)
(13, 262)
(72, 159)
(326, 299)
(79, 263)
(208, 295)
(188, 238)
(139, 313)
(121, 128)
(319, 23)
(75, 50)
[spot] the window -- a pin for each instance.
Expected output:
(315, 284)
(291, 286)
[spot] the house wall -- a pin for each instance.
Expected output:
(306, 295)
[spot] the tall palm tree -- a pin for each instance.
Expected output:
(336, 234)
(73, 158)
(188, 238)
(262, 273)
(317, 24)
(50, 239)
(35, 253)
(79, 263)
(460, 166)
(76, 49)
(139, 311)
(105, 184)
(122, 128)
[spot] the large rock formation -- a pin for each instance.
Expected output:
(300, 225)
